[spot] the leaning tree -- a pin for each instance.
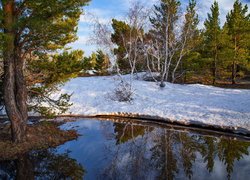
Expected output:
(31, 28)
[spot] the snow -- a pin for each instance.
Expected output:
(184, 103)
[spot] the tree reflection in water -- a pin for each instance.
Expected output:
(42, 164)
(144, 152)
(121, 149)
(129, 158)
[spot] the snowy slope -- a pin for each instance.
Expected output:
(205, 104)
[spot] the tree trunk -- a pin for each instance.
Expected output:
(215, 67)
(14, 90)
(21, 89)
(234, 62)
(234, 72)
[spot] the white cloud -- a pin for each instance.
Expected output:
(224, 5)
(83, 44)
(93, 13)
(106, 13)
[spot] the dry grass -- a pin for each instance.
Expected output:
(240, 85)
(39, 136)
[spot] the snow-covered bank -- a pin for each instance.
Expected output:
(183, 103)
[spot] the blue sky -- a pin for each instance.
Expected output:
(105, 10)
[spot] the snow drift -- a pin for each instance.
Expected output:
(183, 103)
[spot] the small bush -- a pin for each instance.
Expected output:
(123, 92)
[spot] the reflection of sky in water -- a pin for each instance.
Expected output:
(89, 149)
(241, 170)
(219, 170)
(125, 150)
(98, 150)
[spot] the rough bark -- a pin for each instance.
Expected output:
(21, 88)
(14, 87)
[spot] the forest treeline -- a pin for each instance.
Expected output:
(172, 43)
(164, 40)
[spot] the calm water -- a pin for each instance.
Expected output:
(123, 150)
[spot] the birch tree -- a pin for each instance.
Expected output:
(189, 36)
(167, 45)
(163, 32)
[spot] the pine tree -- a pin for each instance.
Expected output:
(212, 36)
(102, 62)
(86, 63)
(50, 71)
(190, 35)
(191, 22)
(225, 54)
(120, 37)
(127, 38)
(163, 33)
(164, 21)
(31, 28)
(93, 60)
(238, 29)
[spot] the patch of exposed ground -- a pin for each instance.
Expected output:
(42, 135)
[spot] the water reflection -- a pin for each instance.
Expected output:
(43, 164)
(174, 152)
(125, 150)
(144, 152)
